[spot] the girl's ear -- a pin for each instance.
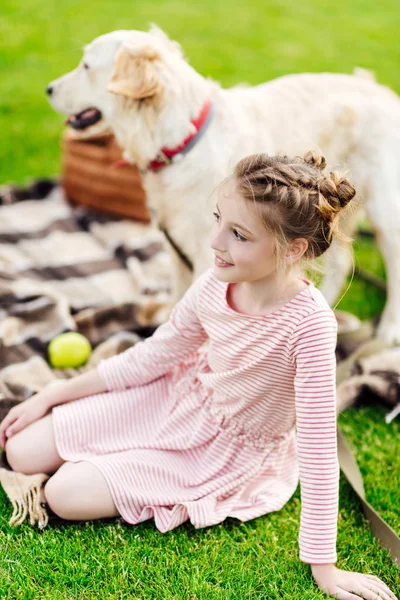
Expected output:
(135, 72)
(296, 250)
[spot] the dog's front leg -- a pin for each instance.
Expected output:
(337, 264)
(389, 325)
(181, 276)
(203, 262)
(338, 259)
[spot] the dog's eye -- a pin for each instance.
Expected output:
(85, 65)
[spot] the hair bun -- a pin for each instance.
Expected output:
(344, 189)
(316, 160)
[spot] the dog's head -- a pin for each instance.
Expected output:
(120, 72)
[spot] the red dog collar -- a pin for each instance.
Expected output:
(166, 156)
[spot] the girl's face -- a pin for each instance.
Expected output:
(243, 249)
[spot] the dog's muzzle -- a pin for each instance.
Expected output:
(84, 119)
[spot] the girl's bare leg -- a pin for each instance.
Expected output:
(79, 492)
(33, 449)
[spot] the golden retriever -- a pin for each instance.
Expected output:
(139, 85)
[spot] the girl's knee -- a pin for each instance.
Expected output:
(33, 449)
(60, 497)
(78, 491)
(17, 456)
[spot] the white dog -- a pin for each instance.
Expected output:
(139, 86)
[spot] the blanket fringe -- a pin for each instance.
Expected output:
(23, 492)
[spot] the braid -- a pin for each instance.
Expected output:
(297, 198)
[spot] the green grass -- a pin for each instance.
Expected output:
(233, 43)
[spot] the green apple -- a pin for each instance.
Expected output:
(69, 350)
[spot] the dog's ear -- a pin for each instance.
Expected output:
(135, 74)
(168, 43)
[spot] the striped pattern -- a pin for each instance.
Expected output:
(66, 268)
(218, 414)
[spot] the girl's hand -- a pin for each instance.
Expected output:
(28, 411)
(345, 585)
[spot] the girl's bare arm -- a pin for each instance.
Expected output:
(86, 384)
(58, 392)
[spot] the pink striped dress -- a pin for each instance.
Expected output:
(219, 414)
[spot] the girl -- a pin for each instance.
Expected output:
(232, 400)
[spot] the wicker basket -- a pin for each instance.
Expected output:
(89, 179)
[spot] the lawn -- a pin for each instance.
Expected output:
(232, 43)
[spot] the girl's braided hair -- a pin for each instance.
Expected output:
(296, 198)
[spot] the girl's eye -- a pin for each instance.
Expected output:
(238, 236)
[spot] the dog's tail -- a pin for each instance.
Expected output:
(364, 73)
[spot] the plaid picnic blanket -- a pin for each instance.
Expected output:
(71, 268)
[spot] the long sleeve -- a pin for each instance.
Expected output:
(170, 344)
(313, 350)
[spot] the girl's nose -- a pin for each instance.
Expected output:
(216, 241)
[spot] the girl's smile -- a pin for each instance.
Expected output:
(219, 262)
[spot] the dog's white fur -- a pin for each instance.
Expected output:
(148, 94)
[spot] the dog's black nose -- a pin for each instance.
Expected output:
(49, 90)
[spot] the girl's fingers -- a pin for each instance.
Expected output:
(15, 427)
(6, 423)
(374, 577)
(375, 582)
(343, 595)
(373, 592)
(8, 419)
